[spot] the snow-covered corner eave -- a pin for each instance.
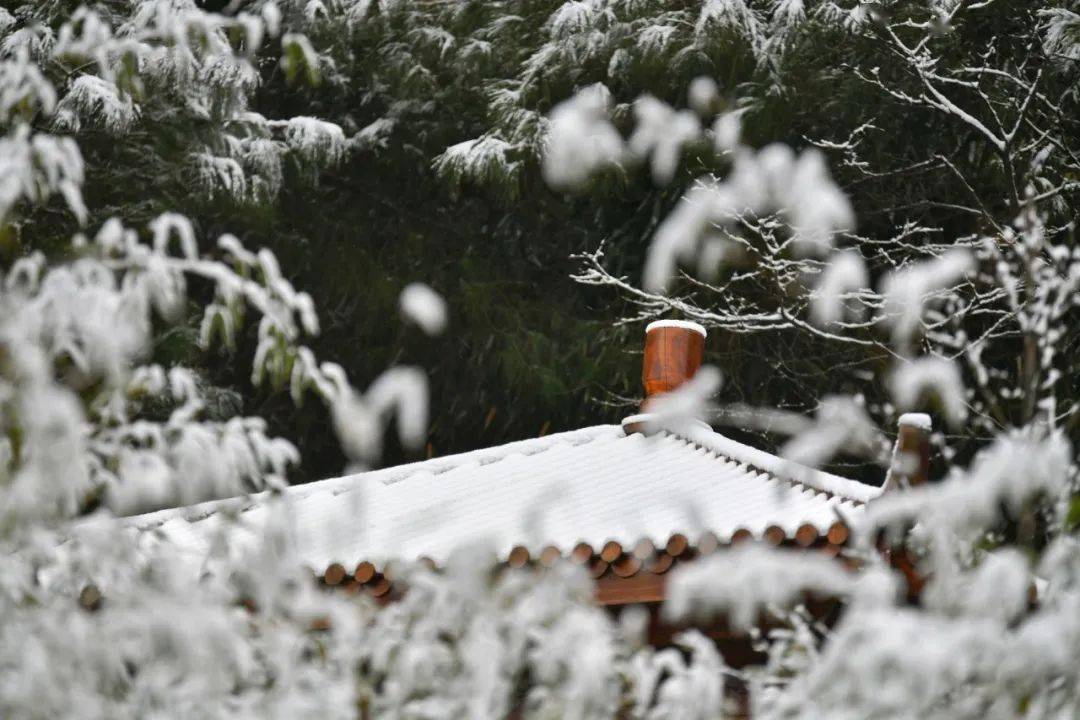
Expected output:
(820, 480)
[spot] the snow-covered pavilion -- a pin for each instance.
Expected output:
(628, 502)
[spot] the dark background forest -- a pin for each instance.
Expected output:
(528, 350)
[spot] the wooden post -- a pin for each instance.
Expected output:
(911, 456)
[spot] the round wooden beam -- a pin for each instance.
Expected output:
(334, 574)
(644, 549)
(379, 587)
(582, 553)
(626, 566)
(550, 555)
(708, 543)
(662, 563)
(741, 535)
(677, 544)
(519, 556)
(806, 535)
(838, 533)
(364, 572)
(774, 535)
(611, 551)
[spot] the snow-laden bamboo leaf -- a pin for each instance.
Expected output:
(425, 307)
(745, 581)
(99, 101)
(581, 140)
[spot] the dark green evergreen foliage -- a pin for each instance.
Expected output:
(528, 350)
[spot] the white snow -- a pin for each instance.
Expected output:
(99, 99)
(772, 179)
(1009, 473)
(916, 420)
(745, 580)
(841, 425)
(484, 159)
(779, 467)
(682, 324)
(424, 306)
(908, 291)
(581, 140)
(702, 94)
(35, 166)
(727, 130)
(660, 134)
(24, 89)
(926, 379)
(590, 485)
(316, 141)
(844, 274)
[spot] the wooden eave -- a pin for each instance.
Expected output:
(624, 575)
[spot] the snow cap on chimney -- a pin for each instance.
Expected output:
(674, 350)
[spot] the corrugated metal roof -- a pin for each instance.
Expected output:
(587, 486)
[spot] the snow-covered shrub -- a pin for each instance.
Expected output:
(98, 621)
(971, 543)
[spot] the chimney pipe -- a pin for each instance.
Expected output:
(674, 350)
(911, 456)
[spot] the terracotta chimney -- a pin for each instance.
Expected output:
(911, 456)
(674, 350)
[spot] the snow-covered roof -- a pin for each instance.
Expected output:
(595, 486)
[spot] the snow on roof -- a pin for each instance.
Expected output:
(592, 485)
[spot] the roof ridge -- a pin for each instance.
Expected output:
(488, 455)
(395, 473)
(797, 473)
